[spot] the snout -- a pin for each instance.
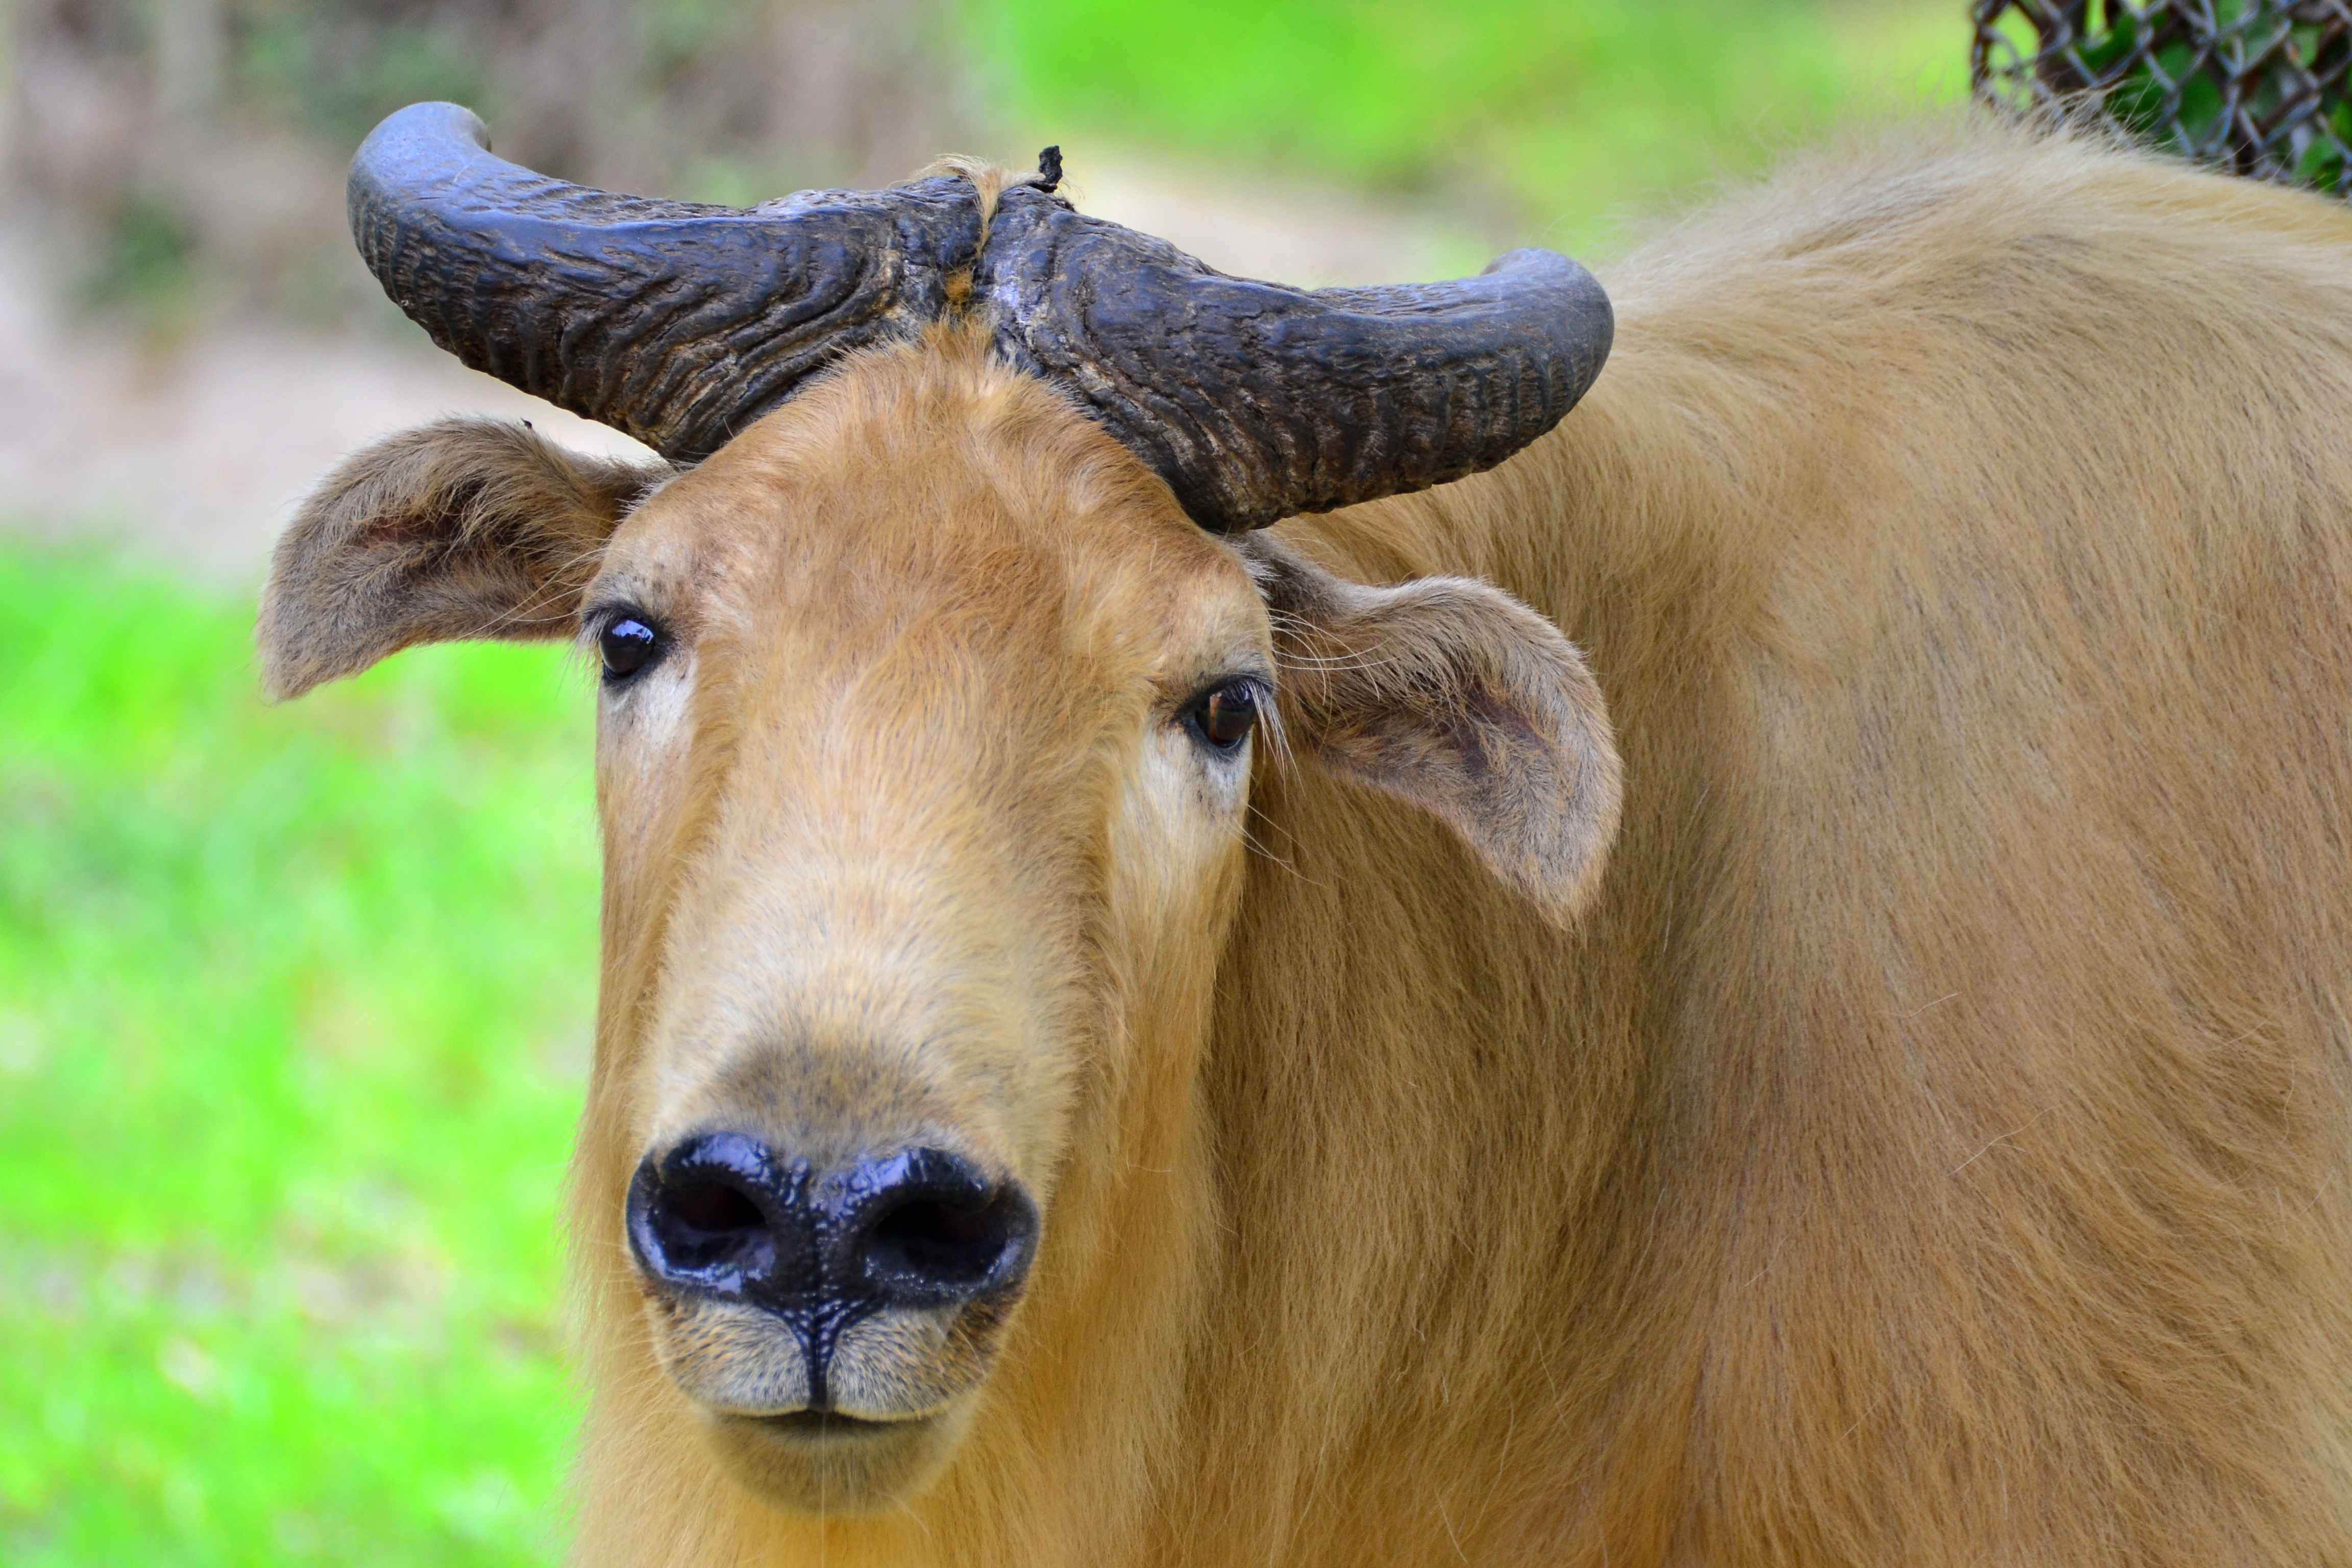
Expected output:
(723, 1216)
(826, 1318)
(831, 1322)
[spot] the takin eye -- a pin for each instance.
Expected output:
(1222, 717)
(628, 645)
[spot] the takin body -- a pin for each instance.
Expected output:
(1926, 1142)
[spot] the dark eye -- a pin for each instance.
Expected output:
(628, 645)
(1225, 715)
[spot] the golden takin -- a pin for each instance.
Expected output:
(1157, 1010)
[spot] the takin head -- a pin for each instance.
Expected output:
(936, 660)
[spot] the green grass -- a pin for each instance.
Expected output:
(293, 1005)
(1547, 116)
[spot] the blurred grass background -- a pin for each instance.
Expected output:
(295, 1002)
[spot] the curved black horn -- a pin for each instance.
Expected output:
(675, 321)
(1255, 400)
(681, 322)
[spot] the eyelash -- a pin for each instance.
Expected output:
(1196, 715)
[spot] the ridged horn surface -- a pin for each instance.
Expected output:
(681, 322)
(1257, 401)
(675, 321)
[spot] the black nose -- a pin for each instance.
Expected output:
(722, 1215)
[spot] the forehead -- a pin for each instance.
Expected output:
(928, 486)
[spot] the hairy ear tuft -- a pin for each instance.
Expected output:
(1452, 695)
(468, 528)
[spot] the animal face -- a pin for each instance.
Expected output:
(916, 794)
(930, 703)
(928, 727)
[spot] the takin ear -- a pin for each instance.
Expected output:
(468, 528)
(1454, 696)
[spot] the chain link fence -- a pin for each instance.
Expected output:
(2255, 87)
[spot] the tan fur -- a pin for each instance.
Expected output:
(1522, 764)
(1928, 1148)
(466, 527)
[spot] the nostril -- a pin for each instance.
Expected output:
(937, 1241)
(716, 1213)
(721, 1215)
(932, 1230)
(705, 1225)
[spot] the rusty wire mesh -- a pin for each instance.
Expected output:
(2256, 87)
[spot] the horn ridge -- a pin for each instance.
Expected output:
(680, 322)
(674, 321)
(1257, 401)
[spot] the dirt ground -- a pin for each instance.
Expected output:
(196, 453)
